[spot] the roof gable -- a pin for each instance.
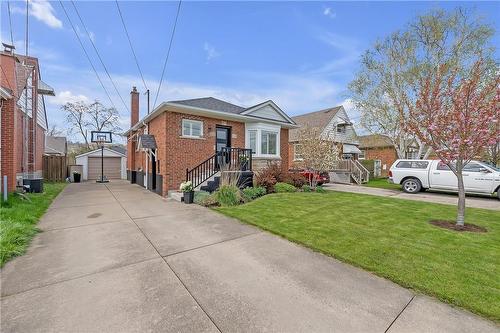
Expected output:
(268, 110)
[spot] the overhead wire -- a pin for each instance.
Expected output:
(99, 56)
(168, 52)
(131, 45)
(86, 54)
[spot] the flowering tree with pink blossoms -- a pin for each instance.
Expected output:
(457, 118)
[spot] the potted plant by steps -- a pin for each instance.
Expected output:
(187, 189)
(76, 177)
(243, 162)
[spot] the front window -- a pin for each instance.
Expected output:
(268, 143)
(192, 128)
(263, 140)
(362, 155)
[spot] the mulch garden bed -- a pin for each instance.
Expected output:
(451, 225)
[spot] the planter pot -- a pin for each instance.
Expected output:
(76, 177)
(189, 197)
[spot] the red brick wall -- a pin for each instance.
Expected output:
(387, 156)
(183, 153)
(176, 153)
(284, 150)
(9, 151)
(40, 148)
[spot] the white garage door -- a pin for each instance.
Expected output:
(112, 167)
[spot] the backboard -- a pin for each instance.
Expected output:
(101, 137)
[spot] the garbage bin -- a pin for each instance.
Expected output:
(76, 177)
(35, 185)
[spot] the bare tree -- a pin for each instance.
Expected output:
(102, 118)
(76, 117)
(55, 131)
(84, 118)
(318, 151)
(388, 83)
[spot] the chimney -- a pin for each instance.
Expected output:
(134, 107)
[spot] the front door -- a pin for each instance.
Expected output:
(222, 140)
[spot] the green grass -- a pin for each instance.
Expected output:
(392, 238)
(18, 219)
(382, 183)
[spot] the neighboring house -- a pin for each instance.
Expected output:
(56, 145)
(23, 117)
(181, 137)
(113, 161)
(380, 147)
(332, 123)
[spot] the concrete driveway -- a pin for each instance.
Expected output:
(434, 197)
(117, 258)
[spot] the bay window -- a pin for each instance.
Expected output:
(263, 140)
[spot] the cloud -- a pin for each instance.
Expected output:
(329, 12)
(43, 11)
(210, 51)
(66, 96)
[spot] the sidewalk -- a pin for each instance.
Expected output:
(433, 197)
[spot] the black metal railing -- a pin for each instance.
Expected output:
(228, 158)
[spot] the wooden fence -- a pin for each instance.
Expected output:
(54, 168)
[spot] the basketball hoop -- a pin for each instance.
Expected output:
(101, 138)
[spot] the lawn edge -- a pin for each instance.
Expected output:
(36, 230)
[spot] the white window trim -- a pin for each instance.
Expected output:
(259, 127)
(191, 129)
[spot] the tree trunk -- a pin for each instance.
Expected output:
(461, 200)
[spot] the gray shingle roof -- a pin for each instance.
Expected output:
(211, 103)
(55, 145)
(317, 119)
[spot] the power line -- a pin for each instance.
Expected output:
(98, 55)
(10, 24)
(131, 46)
(86, 54)
(168, 52)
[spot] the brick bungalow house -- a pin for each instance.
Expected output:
(332, 122)
(380, 147)
(183, 136)
(23, 117)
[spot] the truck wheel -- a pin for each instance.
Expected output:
(498, 194)
(411, 185)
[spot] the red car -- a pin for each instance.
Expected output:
(320, 178)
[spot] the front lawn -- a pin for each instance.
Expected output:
(392, 238)
(382, 183)
(18, 219)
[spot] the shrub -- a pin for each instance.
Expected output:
(269, 176)
(228, 195)
(251, 193)
(320, 189)
(306, 188)
(200, 196)
(284, 187)
(295, 179)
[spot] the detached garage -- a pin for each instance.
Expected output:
(115, 164)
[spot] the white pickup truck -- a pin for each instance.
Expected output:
(418, 175)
